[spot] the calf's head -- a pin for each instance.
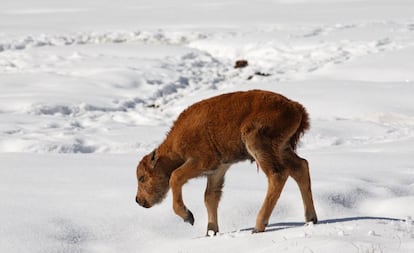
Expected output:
(153, 180)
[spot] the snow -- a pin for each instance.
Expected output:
(89, 87)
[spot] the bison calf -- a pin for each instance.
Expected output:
(211, 135)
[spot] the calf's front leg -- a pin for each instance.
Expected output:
(212, 197)
(178, 178)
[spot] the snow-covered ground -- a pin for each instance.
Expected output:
(89, 87)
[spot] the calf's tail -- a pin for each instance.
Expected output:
(303, 126)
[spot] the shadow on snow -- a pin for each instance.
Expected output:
(286, 225)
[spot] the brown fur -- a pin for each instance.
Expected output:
(212, 134)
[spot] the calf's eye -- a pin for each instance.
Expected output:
(141, 179)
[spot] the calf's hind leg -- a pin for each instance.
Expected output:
(264, 153)
(212, 197)
(299, 170)
(276, 182)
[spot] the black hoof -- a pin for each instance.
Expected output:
(255, 231)
(314, 220)
(211, 233)
(212, 229)
(190, 218)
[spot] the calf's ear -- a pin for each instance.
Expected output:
(154, 158)
(153, 155)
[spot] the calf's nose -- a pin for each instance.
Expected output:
(142, 203)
